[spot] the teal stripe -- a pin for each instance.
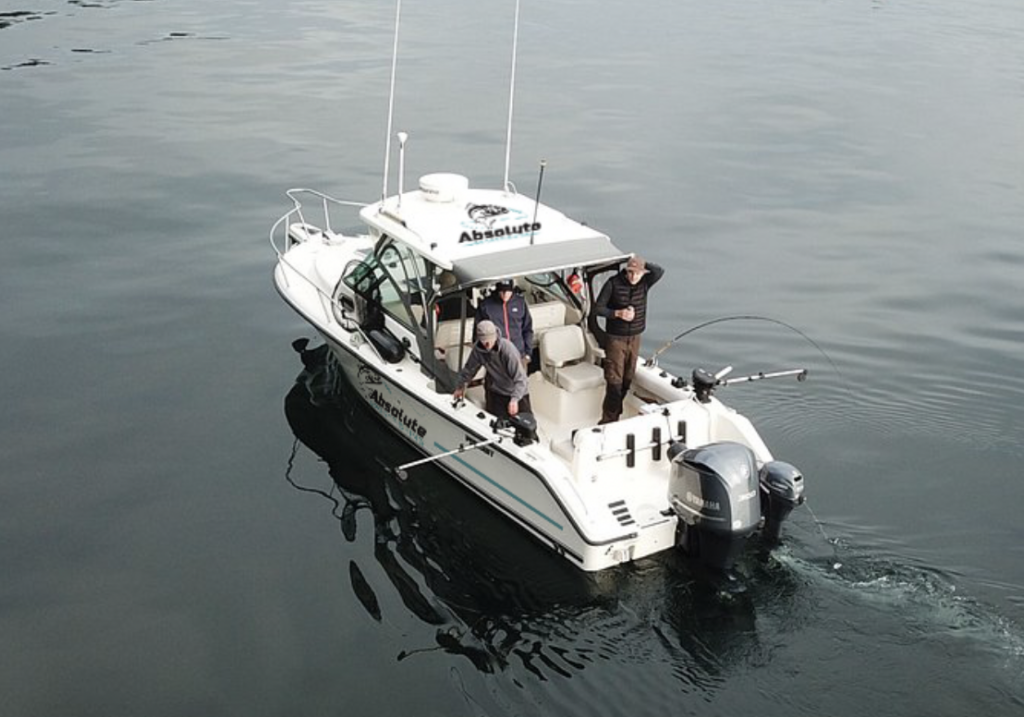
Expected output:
(502, 488)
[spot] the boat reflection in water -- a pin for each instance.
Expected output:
(491, 590)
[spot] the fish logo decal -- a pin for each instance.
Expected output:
(485, 214)
(369, 377)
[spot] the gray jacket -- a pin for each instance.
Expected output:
(505, 373)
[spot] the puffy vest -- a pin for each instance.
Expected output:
(625, 294)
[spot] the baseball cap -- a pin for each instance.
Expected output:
(636, 263)
(486, 330)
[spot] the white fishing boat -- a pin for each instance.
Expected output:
(680, 469)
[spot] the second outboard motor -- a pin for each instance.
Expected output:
(782, 489)
(714, 492)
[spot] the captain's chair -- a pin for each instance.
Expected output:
(562, 350)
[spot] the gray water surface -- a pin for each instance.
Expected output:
(185, 529)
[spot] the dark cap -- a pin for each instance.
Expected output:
(504, 285)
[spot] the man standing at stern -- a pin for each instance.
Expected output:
(623, 304)
(505, 383)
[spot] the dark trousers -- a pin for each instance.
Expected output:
(620, 356)
(498, 404)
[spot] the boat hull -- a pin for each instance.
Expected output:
(513, 480)
(598, 495)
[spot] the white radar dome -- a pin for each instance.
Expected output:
(443, 187)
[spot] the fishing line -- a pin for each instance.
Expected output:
(836, 563)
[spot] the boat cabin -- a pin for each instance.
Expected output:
(440, 249)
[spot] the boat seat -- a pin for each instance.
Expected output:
(546, 315)
(562, 354)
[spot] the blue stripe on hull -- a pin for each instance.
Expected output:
(502, 488)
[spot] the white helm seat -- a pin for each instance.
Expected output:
(562, 354)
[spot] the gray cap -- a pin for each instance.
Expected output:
(486, 330)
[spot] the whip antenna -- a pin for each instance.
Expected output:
(540, 183)
(511, 98)
(391, 102)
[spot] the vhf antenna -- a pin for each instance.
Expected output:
(391, 102)
(511, 98)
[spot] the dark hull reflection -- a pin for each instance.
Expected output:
(492, 591)
(484, 577)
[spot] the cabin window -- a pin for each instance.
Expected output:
(390, 281)
(405, 291)
(548, 286)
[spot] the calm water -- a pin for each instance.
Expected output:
(187, 530)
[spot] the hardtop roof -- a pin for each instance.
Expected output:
(486, 234)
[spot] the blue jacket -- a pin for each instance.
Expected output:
(519, 326)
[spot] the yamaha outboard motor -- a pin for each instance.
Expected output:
(714, 492)
(782, 489)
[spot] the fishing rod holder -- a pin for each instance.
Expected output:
(703, 384)
(523, 427)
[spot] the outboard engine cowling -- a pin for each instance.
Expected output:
(714, 492)
(782, 489)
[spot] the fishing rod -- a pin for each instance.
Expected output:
(402, 470)
(800, 373)
(738, 317)
(653, 361)
(705, 382)
(521, 429)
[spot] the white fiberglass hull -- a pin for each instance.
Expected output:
(599, 495)
(517, 481)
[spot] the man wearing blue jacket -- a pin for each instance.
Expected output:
(508, 311)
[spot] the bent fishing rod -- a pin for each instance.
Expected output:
(653, 360)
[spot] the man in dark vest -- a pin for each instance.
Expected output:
(623, 304)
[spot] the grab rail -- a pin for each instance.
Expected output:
(325, 201)
(281, 240)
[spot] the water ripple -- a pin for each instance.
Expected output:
(7, 19)
(927, 598)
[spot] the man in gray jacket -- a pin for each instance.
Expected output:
(505, 383)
